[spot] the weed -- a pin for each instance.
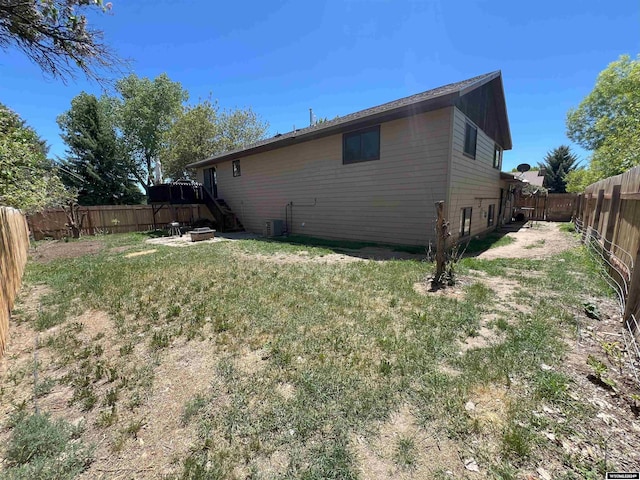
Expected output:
(568, 227)
(174, 311)
(192, 407)
(385, 367)
(551, 386)
(537, 244)
(126, 349)
(111, 397)
(49, 318)
(44, 387)
(478, 293)
(516, 442)
(133, 428)
(42, 448)
(599, 373)
(405, 451)
(160, 340)
(614, 353)
(107, 417)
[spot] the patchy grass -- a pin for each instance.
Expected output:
(568, 227)
(301, 357)
(492, 240)
(341, 245)
(42, 448)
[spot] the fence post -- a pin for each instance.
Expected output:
(577, 207)
(585, 216)
(632, 306)
(612, 220)
(596, 217)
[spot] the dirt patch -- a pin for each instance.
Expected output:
(301, 257)
(540, 240)
(138, 254)
(381, 457)
(252, 361)
(488, 404)
(616, 415)
(286, 390)
(56, 249)
(187, 369)
(484, 338)
(273, 466)
(185, 239)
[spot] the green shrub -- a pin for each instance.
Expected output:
(40, 448)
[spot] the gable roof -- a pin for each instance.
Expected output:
(434, 99)
(534, 177)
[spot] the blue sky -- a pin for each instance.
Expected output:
(280, 57)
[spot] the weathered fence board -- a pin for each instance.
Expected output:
(14, 246)
(554, 207)
(114, 219)
(611, 208)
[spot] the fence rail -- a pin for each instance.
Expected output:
(608, 218)
(114, 219)
(14, 246)
(554, 207)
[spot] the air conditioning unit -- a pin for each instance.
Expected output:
(273, 228)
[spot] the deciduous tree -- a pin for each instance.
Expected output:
(607, 121)
(202, 131)
(145, 113)
(28, 180)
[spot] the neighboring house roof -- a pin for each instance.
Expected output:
(534, 177)
(436, 98)
(510, 177)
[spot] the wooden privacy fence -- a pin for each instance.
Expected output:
(14, 246)
(554, 207)
(608, 214)
(114, 219)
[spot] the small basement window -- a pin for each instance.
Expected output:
(236, 168)
(497, 157)
(465, 222)
(491, 215)
(361, 146)
(470, 138)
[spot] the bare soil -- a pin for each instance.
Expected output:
(533, 240)
(56, 249)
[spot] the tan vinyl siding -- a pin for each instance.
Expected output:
(389, 200)
(473, 182)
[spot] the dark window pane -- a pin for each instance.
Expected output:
(352, 148)
(465, 222)
(371, 145)
(236, 168)
(470, 137)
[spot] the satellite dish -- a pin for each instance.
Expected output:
(523, 167)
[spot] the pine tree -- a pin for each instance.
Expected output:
(95, 164)
(558, 163)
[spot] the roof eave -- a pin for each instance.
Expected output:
(376, 118)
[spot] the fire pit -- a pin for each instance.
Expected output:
(203, 233)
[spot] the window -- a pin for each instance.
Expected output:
(361, 146)
(470, 137)
(497, 157)
(492, 214)
(465, 222)
(236, 168)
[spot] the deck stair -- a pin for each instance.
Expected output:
(226, 220)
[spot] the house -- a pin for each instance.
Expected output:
(376, 174)
(533, 177)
